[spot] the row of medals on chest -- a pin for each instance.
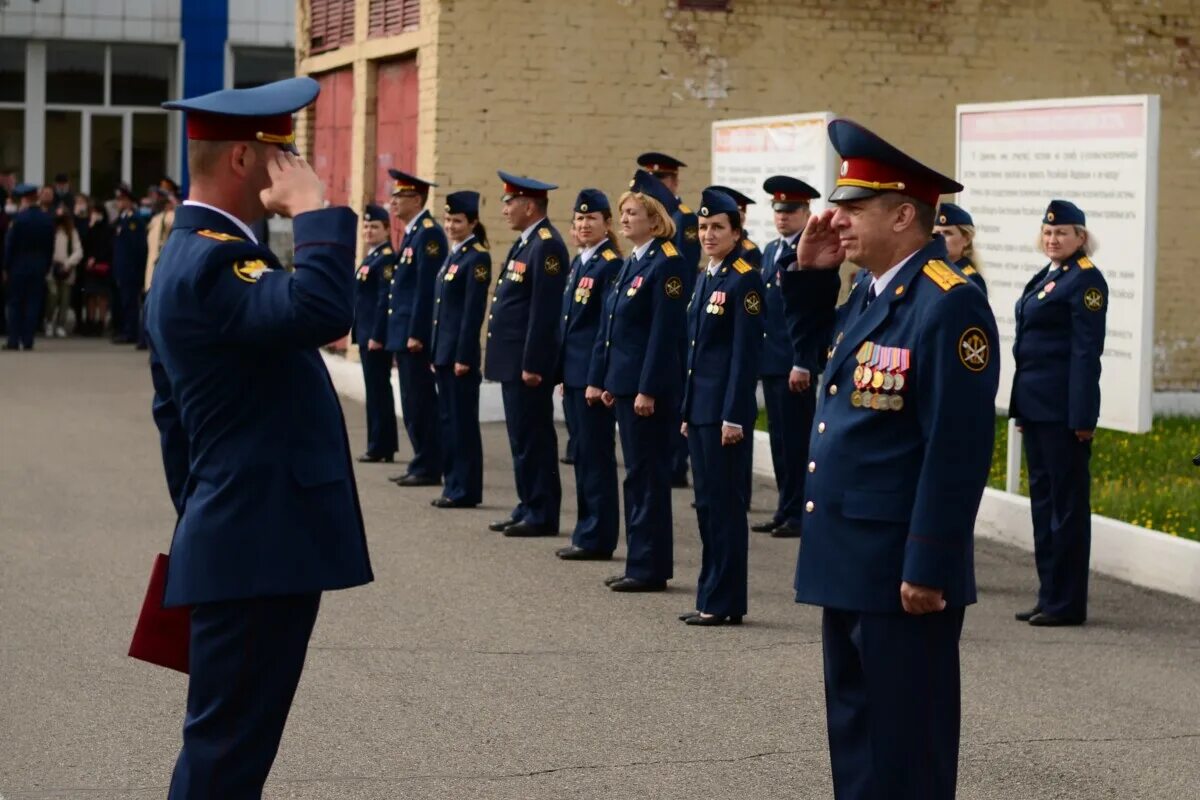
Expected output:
(880, 377)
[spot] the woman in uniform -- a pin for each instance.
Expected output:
(635, 370)
(957, 228)
(376, 269)
(1060, 325)
(460, 299)
(597, 526)
(725, 330)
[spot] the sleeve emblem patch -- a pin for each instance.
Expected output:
(973, 349)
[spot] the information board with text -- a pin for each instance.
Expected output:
(1101, 153)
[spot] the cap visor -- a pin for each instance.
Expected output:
(844, 194)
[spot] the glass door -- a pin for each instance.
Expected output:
(106, 154)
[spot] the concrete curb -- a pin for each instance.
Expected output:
(1138, 555)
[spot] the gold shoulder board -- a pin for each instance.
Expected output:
(479, 248)
(742, 266)
(608, 255)
(684, 209)
(427, 223)
(387, 251)
(219, 237)
(749, 245)
(545, 233)
(969, 270)
(669, 249)
(940, 273)
(1086, 263)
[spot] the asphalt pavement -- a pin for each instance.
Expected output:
(482, 667)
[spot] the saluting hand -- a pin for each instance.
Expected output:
(295, 187)
(819, 246)
(918, 599)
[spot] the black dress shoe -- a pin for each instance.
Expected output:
(446, 502)
(418, 480)
(1044, 620)
(525, 530)
(502, 524)
(573, 553)
(712, 621)
(611, 579)
(1025, 616)
(368, 458)
(566, 460)
(786, 531)
(765, 527)
(684, 617)
(634, 585)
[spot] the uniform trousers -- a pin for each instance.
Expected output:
(462, 442)
(1060, 501)
(418, 405)
(892, 703)
(245, 662)
(382, 434)
(569, 417)
(679, 443)
(717, 471)
(646, 447)
(598, 525)
(23, 306)
(129, 293)
(789, 423)
(529, 418)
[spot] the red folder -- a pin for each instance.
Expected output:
(162, 634)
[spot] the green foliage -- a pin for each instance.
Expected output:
(1143, 479)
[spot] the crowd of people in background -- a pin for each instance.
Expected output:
(75, 265)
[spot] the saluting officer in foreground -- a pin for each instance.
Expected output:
(786, 373)
(635, 371)
(406, 327)
(374, 274)
(253, 440)
(460, 301)
(1061, 322)
(957, 228)
(687, 242)
(522, 350)
(597, 527)
(898, 461)
(725, 333)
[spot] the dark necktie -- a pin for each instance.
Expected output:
(871, 294)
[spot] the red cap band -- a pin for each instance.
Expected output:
(868, 174)
(225, 128)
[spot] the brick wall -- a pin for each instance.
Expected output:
(571, 92)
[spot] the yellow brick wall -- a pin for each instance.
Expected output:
(571, 91)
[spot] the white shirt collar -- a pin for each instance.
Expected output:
(458, 247)
(883, 280)
(375, 249)
(714, 264)
(791, 240)
(638, 252)
(412, 223)
(241, 225)
(528, 232)
(585, 255)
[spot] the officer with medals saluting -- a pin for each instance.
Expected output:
(750, 250)
(725, 330)
(460, 300)
(687, 242)
(522, 350)
(635, 370)
(406, 328)
(898, 461)
(786, 374)
(253, 440)
(957, 228)
(597, 528)
(375, 272)
(1061, 322)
